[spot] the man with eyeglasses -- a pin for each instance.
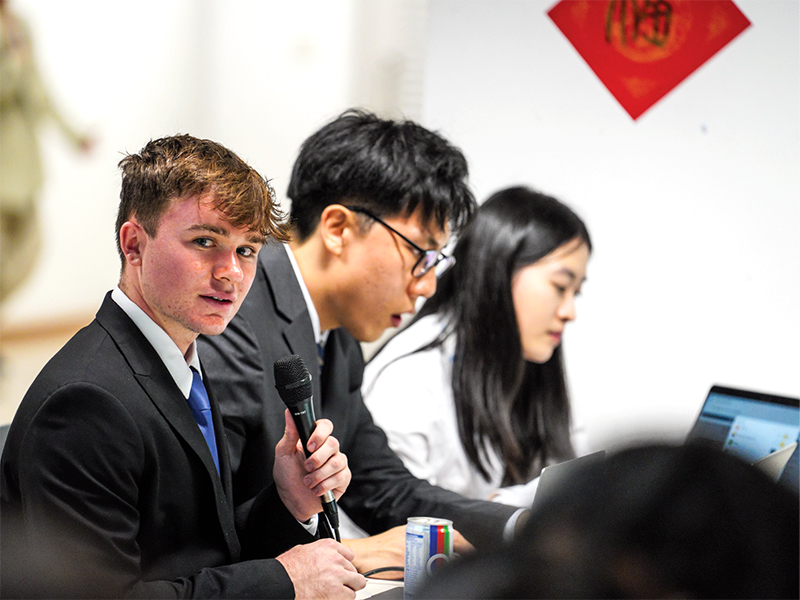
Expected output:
(374, 201)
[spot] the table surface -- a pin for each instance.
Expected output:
(386, 588)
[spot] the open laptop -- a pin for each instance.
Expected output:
(760, 428)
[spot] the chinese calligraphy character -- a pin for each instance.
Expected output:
(648, 21)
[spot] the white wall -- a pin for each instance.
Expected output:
(694, 208)
(256, 75)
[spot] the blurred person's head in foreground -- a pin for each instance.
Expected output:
(648, 522)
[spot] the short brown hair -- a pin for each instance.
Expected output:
(180, 166)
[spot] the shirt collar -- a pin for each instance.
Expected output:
(169, 353)
(319, 336)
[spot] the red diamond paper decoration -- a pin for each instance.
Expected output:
(641, 49)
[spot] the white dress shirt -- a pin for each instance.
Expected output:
(177, 364)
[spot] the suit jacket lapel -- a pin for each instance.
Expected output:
(155, 380)
(289, 303)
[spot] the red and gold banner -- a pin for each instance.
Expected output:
(642, 49)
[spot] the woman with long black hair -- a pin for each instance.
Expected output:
(472, 394)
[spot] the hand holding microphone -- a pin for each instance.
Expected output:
(299, 481)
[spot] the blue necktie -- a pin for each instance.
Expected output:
(201, 409)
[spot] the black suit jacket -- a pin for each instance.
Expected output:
(109, 489)
(274, 322)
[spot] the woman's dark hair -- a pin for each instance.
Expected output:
(518, 408)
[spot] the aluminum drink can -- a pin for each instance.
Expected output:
(429, 546)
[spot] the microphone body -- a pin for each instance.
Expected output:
(293, 382)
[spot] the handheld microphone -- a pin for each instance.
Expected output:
(293, 382)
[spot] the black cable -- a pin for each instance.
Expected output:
(331, 511)
(327, 530)
(382, 570)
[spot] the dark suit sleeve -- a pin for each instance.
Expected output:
(267, 528)
(80, 509)
(382, 492)
(386, 494)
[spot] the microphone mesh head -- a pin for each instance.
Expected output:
(292, 379)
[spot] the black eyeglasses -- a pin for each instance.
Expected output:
(428, 259)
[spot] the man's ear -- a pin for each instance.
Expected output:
(336, 227)
(132, 239)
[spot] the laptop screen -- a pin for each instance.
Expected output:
(750, 425)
